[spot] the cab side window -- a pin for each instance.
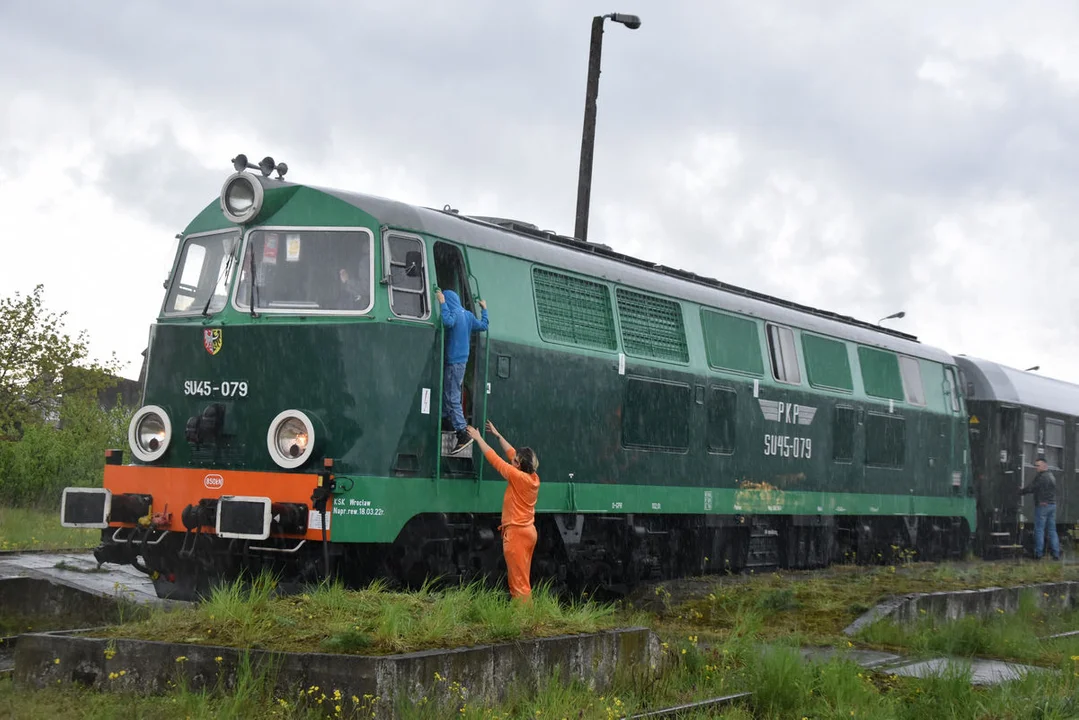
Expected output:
(406, 274)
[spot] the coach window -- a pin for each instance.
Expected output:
(783, 354)
(722, 407)
(1030, 439)
(1054, 444)
(911, 372)
(406, 274)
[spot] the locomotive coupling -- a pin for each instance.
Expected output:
(129, 507)
(202, 515)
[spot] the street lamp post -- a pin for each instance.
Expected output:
(588, 137)
(893, 316)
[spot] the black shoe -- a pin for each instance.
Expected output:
(463, 441)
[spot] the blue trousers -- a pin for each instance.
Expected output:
(1045, 518)
(452, 379)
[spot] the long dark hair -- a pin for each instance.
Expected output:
(527, 460)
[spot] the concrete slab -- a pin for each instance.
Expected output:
(961, 603)
(81, 571)
(1058, 636)
(982, 672)
(478, 675)
(863, 658)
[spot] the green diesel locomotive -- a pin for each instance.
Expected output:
(291, 413)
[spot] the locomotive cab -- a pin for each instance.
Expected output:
(289, 374)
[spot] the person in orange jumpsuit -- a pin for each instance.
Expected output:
(518, 508)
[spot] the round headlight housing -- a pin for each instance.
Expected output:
(291, 439)
(149, 433)
(241, 197)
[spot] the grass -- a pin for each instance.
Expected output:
(370, 621)
(743, 633)
(1021, 636)
(36, 529)
(783, 685)
(815, 607)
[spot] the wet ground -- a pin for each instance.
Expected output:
(982, 672)
(77, 570)
(80, 570)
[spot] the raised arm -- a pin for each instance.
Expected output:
(504, 468)
(482, 323)
(448, 319)
(506, 447)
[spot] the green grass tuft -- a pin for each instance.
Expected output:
(373, 620)
(35, 529)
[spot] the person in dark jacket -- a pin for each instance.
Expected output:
(459, 324)
(1044, 489)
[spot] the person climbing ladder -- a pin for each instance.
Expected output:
(459, 324)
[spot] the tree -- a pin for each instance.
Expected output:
(40, 364)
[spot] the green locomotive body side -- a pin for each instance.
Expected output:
(649, 394)
(364, 378)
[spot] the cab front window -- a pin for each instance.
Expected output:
(307, 271)
(199, 285)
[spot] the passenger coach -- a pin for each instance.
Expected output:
(1015, 416)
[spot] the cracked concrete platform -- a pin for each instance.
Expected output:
(982, 672)
(81, 571)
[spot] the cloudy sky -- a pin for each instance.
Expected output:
(865, 157)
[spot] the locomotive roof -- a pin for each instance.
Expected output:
(528, 242)
(1000, 383)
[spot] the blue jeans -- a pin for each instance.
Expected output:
(1045, 518)
(452, 379)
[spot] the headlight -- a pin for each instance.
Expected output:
(241, 197)
(291, 439)
(149, 433)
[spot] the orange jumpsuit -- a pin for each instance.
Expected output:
(518, 522)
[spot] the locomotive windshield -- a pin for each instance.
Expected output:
(320, 271)
(200, 282)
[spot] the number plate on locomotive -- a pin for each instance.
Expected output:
(207, 388)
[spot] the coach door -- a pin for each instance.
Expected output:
(451, 273)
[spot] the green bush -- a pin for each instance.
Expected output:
(35, 469)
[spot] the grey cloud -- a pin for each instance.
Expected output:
(162, 181)
(484, 99)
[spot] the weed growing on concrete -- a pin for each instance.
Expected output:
(370, 621)
(1022, 636)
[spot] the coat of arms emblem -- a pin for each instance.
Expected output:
(211, 340)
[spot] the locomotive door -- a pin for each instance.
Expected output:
(451, 273)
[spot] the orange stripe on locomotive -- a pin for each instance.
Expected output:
(177, 488)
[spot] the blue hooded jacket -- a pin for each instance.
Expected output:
(460, 324)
